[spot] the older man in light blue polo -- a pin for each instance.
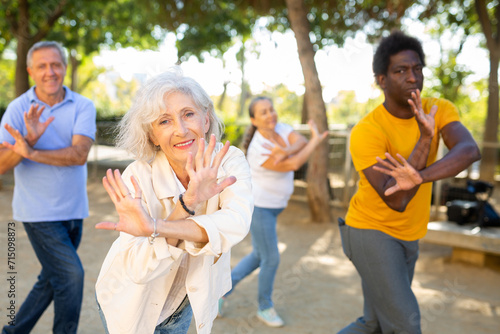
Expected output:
(45, 135)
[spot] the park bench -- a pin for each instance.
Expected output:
(470, 243)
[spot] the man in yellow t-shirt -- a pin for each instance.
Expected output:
(394, 150)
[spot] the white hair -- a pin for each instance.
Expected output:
(45, 45)
(135, 128)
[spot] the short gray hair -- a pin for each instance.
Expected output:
(44, 45)
(136, 125)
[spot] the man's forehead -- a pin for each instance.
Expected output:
(405, 57)
(45, 53)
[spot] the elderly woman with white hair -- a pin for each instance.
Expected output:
(182, 205)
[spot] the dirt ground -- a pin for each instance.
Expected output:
(317, 289)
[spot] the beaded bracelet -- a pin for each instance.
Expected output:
(191, 212)
(153, 236)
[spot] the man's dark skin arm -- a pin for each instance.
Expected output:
(397, 183)
(418, 158)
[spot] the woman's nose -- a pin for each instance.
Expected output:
(181, 128)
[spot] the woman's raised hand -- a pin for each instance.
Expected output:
(277, 152)
(133, 218)
(203, 174)
(315, 135)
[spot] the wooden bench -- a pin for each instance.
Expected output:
(479, 246)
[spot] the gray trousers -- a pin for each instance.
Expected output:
(386, 266)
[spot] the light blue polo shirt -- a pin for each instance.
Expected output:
(45, 192)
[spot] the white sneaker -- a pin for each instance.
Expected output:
(270, 317)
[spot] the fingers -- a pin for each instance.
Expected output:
(385, 163)
(272, 140)
(138, 191)
(8, 145)
(34, 111)
(39, 112)
(433, 111)
(48, 121)
(199, 158)
(190, 164)
(413, 106)
(391, 190)
(110, 190)
(324, 135)
(220, 155)
(110, 176)
(115, 186)
(400, 157)
(313, 127)
(416, 102)
(267, 146)
(226, 183)
(13, 132)
(105, 226)
(394, 162)
(382, 170)
(390, 165)
(208, 154)
(121, 184)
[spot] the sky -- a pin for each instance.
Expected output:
(346, 68)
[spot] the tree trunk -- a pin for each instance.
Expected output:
(244, 86)
(491, 32)
(222, 97)
(22, 77)
(305, 114)
(317, 178)
(490, 138)
(24, 42)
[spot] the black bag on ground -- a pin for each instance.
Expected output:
(479, 211)
(462, 212)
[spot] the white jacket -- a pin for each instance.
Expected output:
(134, 281)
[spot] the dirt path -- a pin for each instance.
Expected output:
(317, 289)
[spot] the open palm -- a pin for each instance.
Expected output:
(203, 174)
(404, 174)
(426, 122)
(34, 127)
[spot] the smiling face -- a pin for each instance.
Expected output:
(404, 76)
(264, 116)
(179, 129)
(48, 71)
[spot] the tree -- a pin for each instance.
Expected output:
(317, 171)
(82, 27)
(20, 17)
(478, 17)
(316, 25)
(489, 18)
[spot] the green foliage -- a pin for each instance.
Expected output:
(288, 105)
(216, 25)
(345, 109)
(473, 108)
(7, 74)
(234, 130)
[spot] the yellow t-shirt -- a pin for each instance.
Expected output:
(380, 132)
